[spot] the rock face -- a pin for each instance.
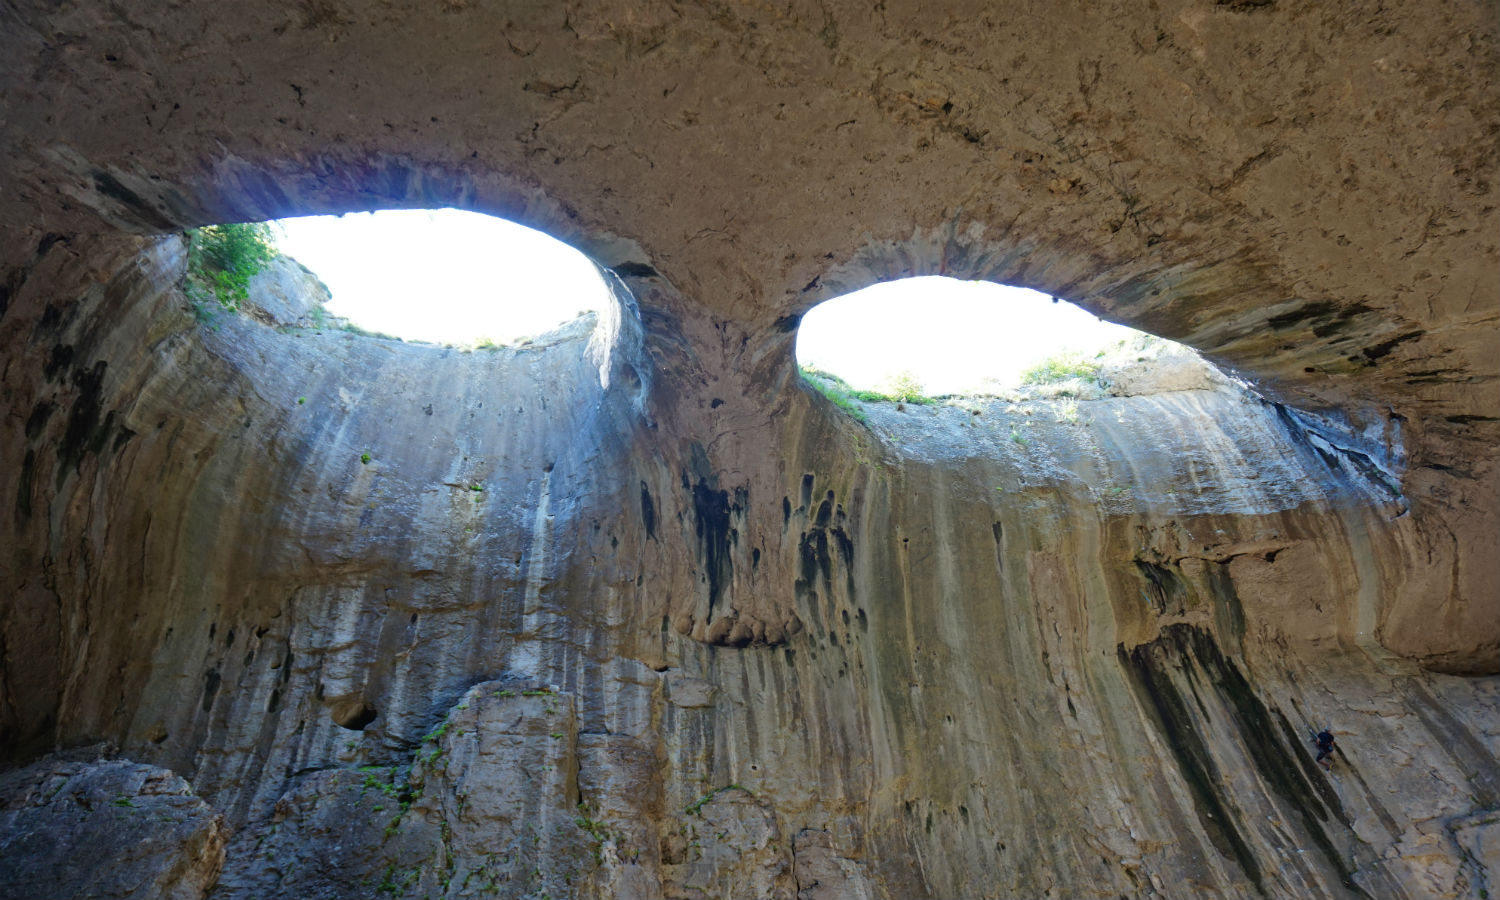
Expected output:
(634, 612)
(105, 829)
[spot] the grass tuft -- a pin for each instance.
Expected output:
(836, 389)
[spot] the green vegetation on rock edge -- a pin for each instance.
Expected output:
(223, 258)
(1062, 367)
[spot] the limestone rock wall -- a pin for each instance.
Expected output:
(1303, 191)
(79, 828)
(532, 620)
(737, 642)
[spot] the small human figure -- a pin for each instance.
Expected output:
(1325, 749)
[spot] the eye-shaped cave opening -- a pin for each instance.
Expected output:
(1028, 389)
(438, 276)
(929, 339)
(408, 458)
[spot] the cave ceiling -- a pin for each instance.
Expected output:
(1306, 192)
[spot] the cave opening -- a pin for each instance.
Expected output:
(1030, 389)
(443, 276)
(935, 337)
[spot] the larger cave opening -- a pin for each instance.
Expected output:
(444, 276)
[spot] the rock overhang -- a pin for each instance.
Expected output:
(734, 170)
(1295, 190)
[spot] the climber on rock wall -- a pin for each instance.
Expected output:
(1324, 740)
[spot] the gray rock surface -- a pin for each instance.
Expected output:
(287, 293)
(107, 828)
(822, 874)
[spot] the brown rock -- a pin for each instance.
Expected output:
(1047, 650)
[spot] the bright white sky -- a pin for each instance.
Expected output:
(451, 276)
(446, 275)
(953, 335)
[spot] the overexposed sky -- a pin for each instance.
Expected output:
(954, 335)
(451, 276)
(446, 275)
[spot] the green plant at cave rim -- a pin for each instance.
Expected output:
(836, 389)
(905, 387)
(352, 328)
(1062, 367)
(900, 388)
(223, 258)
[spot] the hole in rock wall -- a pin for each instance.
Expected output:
(936, 368)
(353, 715)
(936, 337)
(443, 276)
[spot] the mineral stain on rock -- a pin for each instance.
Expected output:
(88, 429)
(648, 512)
(1151, 668)
(711, 513)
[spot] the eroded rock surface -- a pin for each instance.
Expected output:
(501, 653)
(632, 611)
(105, 828)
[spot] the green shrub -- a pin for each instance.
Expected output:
(1062, 367)
(902, 388)
(905, 387)
(1067, 411)
(352, 328)
(697, 807)
(223, 258)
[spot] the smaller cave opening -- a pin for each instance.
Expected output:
(1033, 390)
(354, 717)
(1004, 359)
(934, 336)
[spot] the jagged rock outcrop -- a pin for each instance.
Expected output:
(632, 611)
(75, 827)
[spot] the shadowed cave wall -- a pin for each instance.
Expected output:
(696, 633)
